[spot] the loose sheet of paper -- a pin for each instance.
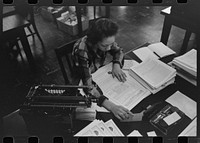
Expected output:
(113, 128)
(127, 94)
(161, 49)
(144, 53)
(129, 63)
(134, 133)
(99, 128)
(151, 134)
(190, 130)
(184, 103)
(154, 72)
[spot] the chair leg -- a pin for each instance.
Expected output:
(19, 51)
(36, 31)
(31, 31)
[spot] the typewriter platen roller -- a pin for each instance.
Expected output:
(56, 97)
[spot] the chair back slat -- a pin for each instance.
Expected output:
(63, 54)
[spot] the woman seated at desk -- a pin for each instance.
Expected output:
(89, 54)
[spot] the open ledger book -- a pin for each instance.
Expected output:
(155, 51)
(127, 94)
(153, 74)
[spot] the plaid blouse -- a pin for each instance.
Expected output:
(88, 61)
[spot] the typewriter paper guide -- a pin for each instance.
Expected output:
(184, 103)
(127, 94)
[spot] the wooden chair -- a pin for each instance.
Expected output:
(27, 12)
(64, 57)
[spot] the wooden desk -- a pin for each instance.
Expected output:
(35, 125)
(179, 21)
(13, 28)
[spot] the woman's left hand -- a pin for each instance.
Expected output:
(118, 73)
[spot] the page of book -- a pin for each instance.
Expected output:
(184, 103)
(144, 53)
(161, 50)
(154, 72)
(129, 63)
(190, 130)
(127, 94)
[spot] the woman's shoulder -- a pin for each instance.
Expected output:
(81, 44)
(80, 48)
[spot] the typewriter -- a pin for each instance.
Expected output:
(49, 99)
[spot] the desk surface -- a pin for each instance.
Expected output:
(18, 125)
(13, 22)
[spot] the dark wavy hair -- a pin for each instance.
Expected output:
(100, 29)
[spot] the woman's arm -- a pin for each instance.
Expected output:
(118, 55)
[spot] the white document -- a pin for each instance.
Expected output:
(134, 133)
(190, 130)
(127, 94)
(151, 134)
(154, 72)
(189, 59)
(187, 62)
(184, 103)
(105, 129)
(160, 49)
(129, 63)
(172, 118)
(97, 131)
(113, 128)
(99, 128)
(87, 130)
(144, 53)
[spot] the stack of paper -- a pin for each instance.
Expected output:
(100, 128)
(155, 51)
(187, 62)
(127, 94)
(153, 74)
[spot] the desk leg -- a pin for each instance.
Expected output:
(185, 42)
(166, 30)
(27, 49)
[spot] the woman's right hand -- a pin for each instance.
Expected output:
(120, 112)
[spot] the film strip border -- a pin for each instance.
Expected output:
(101, 2)
(103, 140)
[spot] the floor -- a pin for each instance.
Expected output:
(138, 25)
